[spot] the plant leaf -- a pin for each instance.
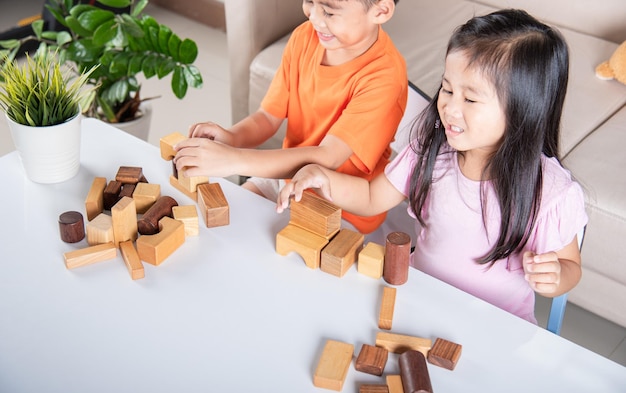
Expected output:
(116, 3)
(91, 20)
(188, 51)
(104, 33)
(193, 76)
(179, 83)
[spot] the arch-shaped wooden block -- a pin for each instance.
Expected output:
(307, 244)
(154, 249)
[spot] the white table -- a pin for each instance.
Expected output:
(225, 313)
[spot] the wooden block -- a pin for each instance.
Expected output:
(154, 249)
(145, 195)
(414, 372)
(333, 365)
(167, 144)
(148, 224)
(127, 190)
(94, 202)
(89, 255)
(341, 253)
(100, 230)
(373, 388)
(371, 259)
(387, 305)
(174, 182)
(129, 174)
(124, 217)
(372, 360)
(132, 260)
(307, 244)
(71, 227)
(316, 215)
(394, 383)
(213, 205)
(397, 253)
(398, 343)
(444, 353)
(188, 215)
(111, 194)
(190, 183)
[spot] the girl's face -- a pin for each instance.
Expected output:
(470, 109)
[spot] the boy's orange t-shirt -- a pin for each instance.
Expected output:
(361, 102)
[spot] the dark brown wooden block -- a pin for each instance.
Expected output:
(129, 174)
(111, 194)
(372, 360)
(445, 353)
(127, 190)
(148, 224)
(397, 252)
(414, 371)
(72, 227)
(373, 388)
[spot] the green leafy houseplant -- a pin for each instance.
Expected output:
(124, 43)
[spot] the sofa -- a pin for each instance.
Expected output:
(594, 118)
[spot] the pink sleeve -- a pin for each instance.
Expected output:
(399, 170)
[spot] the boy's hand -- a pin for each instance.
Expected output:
(542, 271)
(309, 176)
(203, 157)
(211, 131)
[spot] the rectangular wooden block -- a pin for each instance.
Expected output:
(111, 194)
(398, 343)
(124, 217)
(371, 260)
(387, 305)
(94, 202)
(394, 383)
(89, 255)
(372, 360)
(188, 215)
(373, 388)
(444, 353)
(316, 215)
(132, 260)
(100, 230)
(341, 253)
(333, 365)
(145, 195)
(167, 144)
(307, 244)
(213, 205)
(154, 249)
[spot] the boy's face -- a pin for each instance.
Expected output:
(344, 27)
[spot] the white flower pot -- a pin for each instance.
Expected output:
(139, 127)
(48, 154)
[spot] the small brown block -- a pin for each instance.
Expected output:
(94, 202)
(394, 383)
(100, 230)
(341, 253)
(444, 353)
(154, 249)
(148, 224)
(213, 205)
(188, 215)
(307, 244)
(414, 372)
(371, 260)
(132, 260)
(398, 343)
(174, 182)
(111, 194)
(373, 388)
(397, 252)
(129, 174)
(89, 255)
(167, 144)
(71, 227)
(124, 217)
(316, 215)
(127, 190)
(387, 305)
(372, 360)
(333, 365)
(145, 195)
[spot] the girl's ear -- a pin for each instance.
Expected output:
(382, 11)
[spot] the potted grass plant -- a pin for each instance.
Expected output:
(125, 43)
(42, 104)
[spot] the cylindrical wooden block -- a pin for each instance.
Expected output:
(414, 372)
(72, 227)
(397, 252)
(148, 224)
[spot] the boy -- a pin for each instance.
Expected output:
(341, 85)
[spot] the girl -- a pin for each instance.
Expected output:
(497, 214)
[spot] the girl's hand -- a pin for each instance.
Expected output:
(309, 176)
(211, 131)
(204, 157)
(542, 271)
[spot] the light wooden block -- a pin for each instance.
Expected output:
(373, 388)
(372, 360)
(444, 353)
(124, 217)
(394, 383)
(387, 305)
(316, 215)
(154, 249)
(191, 183)
(100, 230)
(174, 182)
(307, 244)
(89, 255)
(132, 260)
(371, 260)
(341, 253)
(213, 205)
(398, 343)
(94, 202)
(188, 215)
(333, 365)
(167, 144)
(145, 195)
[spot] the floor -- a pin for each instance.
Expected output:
(212, 103)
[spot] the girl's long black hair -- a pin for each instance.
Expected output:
(527, 62)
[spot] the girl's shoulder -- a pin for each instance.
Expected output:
(559, 187)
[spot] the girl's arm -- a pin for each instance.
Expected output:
(353, 194)
(554, 273)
